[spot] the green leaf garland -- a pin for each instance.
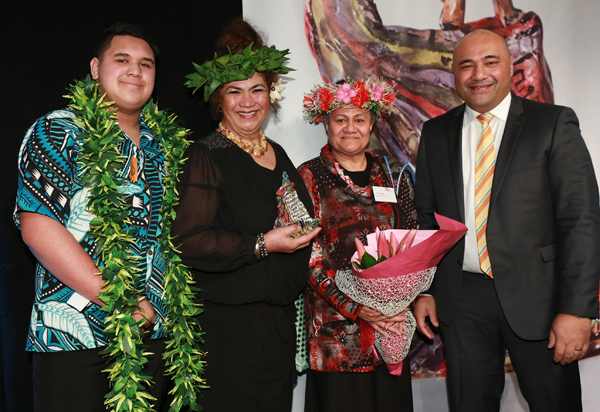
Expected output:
(231, 67)
(100, 164)
(183, 355)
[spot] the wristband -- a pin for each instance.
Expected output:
(257, 250)
(260, 240)
(260, 249)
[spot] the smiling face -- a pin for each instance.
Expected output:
(245, 105)
(348, 132)
(482, 68)
(126, 72)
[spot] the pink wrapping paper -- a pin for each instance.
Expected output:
(429, 247)
(411, 267)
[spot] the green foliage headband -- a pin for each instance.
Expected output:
(231, 67)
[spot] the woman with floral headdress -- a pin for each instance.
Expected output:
(354, 192)
(249, 273)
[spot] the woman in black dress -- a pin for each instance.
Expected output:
(228, 200)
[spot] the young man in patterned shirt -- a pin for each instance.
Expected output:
(66, 334)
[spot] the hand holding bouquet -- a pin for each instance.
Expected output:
(388, 274)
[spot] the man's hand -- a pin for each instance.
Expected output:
(424, 308)
(147, 312)
(570, 338)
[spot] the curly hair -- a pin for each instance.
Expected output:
(236, 36)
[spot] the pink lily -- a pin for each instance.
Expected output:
(360, 248)
(383, 247)
(393, 244)
(407, 241)
(377, 92)
(345, 93)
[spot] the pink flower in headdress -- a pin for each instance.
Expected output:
(377, 92)
(345, 93)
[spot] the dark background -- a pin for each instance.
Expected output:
(44, 46)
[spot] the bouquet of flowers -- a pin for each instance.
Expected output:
(391, 271)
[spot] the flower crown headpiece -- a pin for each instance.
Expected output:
(231, 67)
(375, 95)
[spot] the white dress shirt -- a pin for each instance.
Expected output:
(471, 132)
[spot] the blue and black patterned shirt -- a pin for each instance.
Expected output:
(49, 183)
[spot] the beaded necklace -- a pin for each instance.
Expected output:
(254, 149)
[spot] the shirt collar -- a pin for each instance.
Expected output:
(146, 135)
(500, 111)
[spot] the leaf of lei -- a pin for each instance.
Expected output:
(100, 163)
(183, 355)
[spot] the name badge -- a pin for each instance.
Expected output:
(384, 194)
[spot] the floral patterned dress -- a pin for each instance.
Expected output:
(338, 340)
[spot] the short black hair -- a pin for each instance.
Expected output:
(123, 29)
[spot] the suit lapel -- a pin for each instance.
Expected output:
(512, 130)
(455, 152)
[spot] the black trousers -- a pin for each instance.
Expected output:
(475, 344)
(375, 391)
(74, 381)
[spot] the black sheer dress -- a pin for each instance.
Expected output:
(226, 198)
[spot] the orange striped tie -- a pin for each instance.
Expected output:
(484, 174)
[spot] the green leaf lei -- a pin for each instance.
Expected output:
(231, 67)
(101, 163)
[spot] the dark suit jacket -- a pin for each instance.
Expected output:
(543, 229)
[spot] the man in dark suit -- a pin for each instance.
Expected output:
(526, 276)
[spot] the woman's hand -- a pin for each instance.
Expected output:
(382, 323)
(279, 240)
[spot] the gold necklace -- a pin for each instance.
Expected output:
(254, 149)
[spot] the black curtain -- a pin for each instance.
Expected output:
(44, 46)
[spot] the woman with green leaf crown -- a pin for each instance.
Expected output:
(249, 273)
(354, 192)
